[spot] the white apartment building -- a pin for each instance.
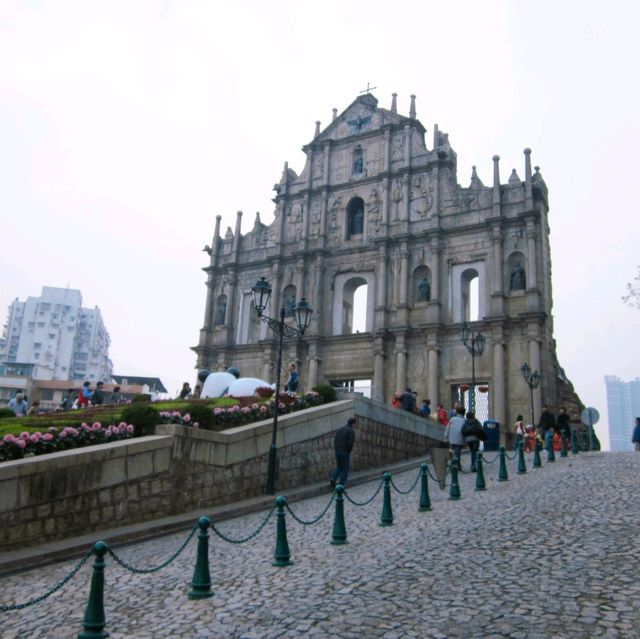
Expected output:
(623, 406)
(63, 340)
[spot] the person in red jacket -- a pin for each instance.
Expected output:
(442, 415)
(84, 395)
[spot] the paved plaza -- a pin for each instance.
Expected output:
(554, 553)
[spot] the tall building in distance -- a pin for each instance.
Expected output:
(623, 404)
(58, 336)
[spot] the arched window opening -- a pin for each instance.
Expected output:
(470, 297)
(355, 217)
(354, 306)
(359, 324)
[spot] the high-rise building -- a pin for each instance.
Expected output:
(623, 405)
(58, 336)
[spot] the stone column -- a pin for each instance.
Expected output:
(381, 287)
(531, 275)
(377, 385)
(497, 387)
(435, 269)
(404, 275)
(401, 363)
(528, 185)
(403, 213)
(232, 302)
(387, 149)
(385, 204)
(433, 376)
(496, 239)
(316, 302)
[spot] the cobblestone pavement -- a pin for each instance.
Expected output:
(553, 553)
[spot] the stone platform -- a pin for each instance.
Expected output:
(550, 554)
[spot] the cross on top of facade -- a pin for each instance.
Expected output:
(368, 89)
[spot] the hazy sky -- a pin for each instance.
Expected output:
(126, 127)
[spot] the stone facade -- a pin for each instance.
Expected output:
(375, 206)
(180, 469)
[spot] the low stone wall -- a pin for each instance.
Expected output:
(179, 469)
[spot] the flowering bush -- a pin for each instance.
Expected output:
(30, 444)
(237, 415)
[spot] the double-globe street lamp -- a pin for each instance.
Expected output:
(302, 313)
(533, 381)
(475, 343)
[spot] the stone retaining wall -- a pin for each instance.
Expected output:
(180, 469)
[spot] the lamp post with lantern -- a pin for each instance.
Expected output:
(302, 313)
(533, 381)
(475, 343)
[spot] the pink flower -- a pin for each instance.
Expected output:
(245, 410)
(86, 428)
(25, 436)
(96, 426)
(281, 406)
(196, 425)
(217, 411)
(130, 428)
(21, 443)
(263, 409)
(255, 406)
(35, 438)
(9, 438)
(187, 418)
(47, 437)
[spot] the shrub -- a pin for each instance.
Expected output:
(6, 413)
(328, 393)
(141, 398)
(200, 414)
(142, 416)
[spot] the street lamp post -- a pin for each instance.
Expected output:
(475, 343)
(533, 381)
(302, 313)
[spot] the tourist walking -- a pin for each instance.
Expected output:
(520, 432)
(97, 397)
(564, 426)
(186, 391)
(18, 405)
(292, 381)
(116, 395)
(425, 409)
(408, 401)
(473, 434)
(84, 395)
(547, 425)
(442, 415)
(453, 433)
(636, 435)
(343, 445)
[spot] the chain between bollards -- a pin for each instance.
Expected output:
(502, 472)
(480, 482)
(339, 535)
(201, 581)
(94, 620)
(282, 556)
(574, 442)
(425, 500)
(551, 456)
(386, 518)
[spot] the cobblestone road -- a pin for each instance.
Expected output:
(554, 553)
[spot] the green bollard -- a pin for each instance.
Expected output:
(522, 465)
(387, 513)
(425, 501)
(480, 482)
(551, 456)
(502, 472)
(94, 619)
(281, 557)
(454, 489)
(537, 462)
(201, 581)
(574, 442)
(339, 536)
(563, 447)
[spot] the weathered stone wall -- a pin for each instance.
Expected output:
(180, 469)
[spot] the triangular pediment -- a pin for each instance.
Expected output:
(361, 116)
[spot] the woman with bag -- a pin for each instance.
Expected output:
(473, 434)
